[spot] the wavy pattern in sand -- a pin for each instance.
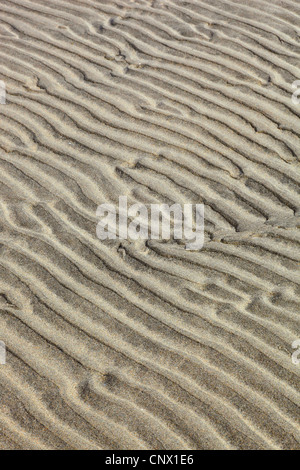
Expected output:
(146, 345)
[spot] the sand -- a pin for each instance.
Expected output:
(146, 345)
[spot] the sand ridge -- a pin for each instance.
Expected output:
(130, 345)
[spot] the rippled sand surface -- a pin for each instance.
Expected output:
(145, 345)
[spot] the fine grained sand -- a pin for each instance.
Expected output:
(127, 345)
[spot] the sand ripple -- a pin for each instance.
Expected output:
(149, 346)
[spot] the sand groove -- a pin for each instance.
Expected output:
(147, 345)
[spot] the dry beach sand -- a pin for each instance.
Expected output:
(145, 345)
